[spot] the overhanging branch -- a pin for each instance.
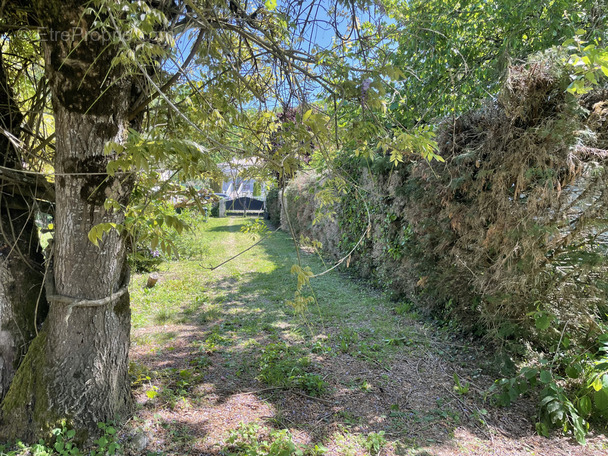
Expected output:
(140, 107)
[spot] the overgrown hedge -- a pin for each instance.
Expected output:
(508, 237)
(510, 229)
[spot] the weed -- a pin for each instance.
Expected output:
(320, 348)
(460, 387)
(214, 341)
(176, 387)
(480, 415)
(139, 374)
(64, 444)
(397, 341)
(152, 392)
(163, 316)
(349, 418)
(315, 450)
(347, 443)
(374, 442)
(347, 340)
(106, 444)
(282, 365)
(403, 308)
(365, 386)
(396, 412)
(245, 441)
(201, 362)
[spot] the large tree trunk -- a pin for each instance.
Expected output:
(76, 369)
(20, 257)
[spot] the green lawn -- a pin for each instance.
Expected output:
(255, 287)
(220, 362)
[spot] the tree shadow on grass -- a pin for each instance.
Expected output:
(407, 392)
(227, 228)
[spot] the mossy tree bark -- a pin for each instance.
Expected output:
(20, 257)
(77, 367)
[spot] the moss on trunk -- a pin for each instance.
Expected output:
(27, 399)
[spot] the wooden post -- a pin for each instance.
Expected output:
(152, 279)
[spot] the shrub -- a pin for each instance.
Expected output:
(273, 207)
(215, 210)
(145, 260)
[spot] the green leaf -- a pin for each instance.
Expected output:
(554, 406)
(152, 393)
(94, 235)
(546, 376)
(542, 429)
(584, 405)
(573, 371)
(545, 400)
(542, 320)
(580, 428)
(601, 400)
(605, 382)
(591, 78)
(270, 5)
(529, 372)
(597, 383)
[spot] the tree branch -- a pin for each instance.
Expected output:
(140, 107)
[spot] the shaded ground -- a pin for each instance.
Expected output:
(200, 336)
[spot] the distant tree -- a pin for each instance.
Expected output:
(454, 53)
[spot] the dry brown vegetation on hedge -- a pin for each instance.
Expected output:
(512, 222)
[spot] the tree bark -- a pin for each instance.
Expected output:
(20, 256)
(77, 368)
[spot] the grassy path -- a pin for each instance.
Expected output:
(357, 374)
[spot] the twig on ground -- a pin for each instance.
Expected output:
(369, 358)
(285, 388)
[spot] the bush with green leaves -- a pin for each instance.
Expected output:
(215, 210)
(188, 242)
(573, 386)
(65, 442)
